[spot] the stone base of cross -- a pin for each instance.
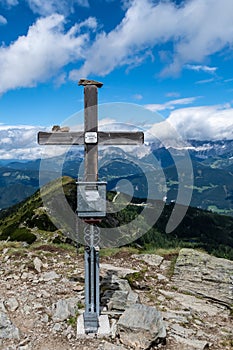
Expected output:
(91, 201)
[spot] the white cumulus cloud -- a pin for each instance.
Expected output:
(197, 123)
(19, 141)
(48, 7)
(9, 3)
(42, 53)
(3, 20)
(203, 68)
(204, 122)
(197, 29)
(170, 104)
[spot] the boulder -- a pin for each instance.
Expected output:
(7, 329)
(202, 274)
(117, 293)
(49, 276)
(141, 327)
(119, 271)
(150, 259)
(12, 304)
(64, 309)
(37, 264)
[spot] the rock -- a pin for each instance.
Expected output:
(150, 259)
(38, 264)
(78, 288)
(191, 344)
(120, 300)
(24, 344)
(64, 309)
(203, 274)
(45, 294)
(57, 327)
(49, 276)
(110, 346)
(113, 282)
(24, 347)
(12, 304)
(7, 329)
(27, 276)
(27, 309)
(196, 305)
(2, 306)
(118, 271)
(117, 293)
(140, 327)
(45, 318)
(175, 316)
(5, 251)
(181, 331)
(162, 278)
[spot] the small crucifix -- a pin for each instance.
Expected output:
(90, 213)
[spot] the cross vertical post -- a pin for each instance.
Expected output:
(92, 308)
(90, 130)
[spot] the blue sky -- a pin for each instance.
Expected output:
(171, 57)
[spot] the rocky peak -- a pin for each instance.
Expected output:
(152, 302)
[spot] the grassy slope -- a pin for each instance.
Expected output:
(203, 229)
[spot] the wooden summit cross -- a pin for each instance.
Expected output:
(90, 138)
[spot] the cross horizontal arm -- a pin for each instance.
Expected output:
(77, 138)
(60, 138)
(120, 138)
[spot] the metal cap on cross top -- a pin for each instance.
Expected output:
(91, 193)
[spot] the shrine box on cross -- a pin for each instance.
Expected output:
(91, 199)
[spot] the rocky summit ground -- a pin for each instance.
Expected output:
(42, 294)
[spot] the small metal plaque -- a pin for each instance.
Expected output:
(91, 137)
(91, 199)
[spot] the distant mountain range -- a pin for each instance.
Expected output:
(212, 163)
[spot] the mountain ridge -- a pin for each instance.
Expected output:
(30, 221)
(216, 163)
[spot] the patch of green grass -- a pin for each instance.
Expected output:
(17, 252)
(52, 248)
(134, 277)
(227, 343)
(10, 244)
(81, 250)
(72, 321)
(175, 288)
(67, 247)
(171, 269)
(165, 252)
(80, 305)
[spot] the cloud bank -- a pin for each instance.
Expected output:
(203, 123)
(19, 142)
(199, 123)
(196, 123)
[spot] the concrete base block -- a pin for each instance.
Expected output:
(104, 329)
